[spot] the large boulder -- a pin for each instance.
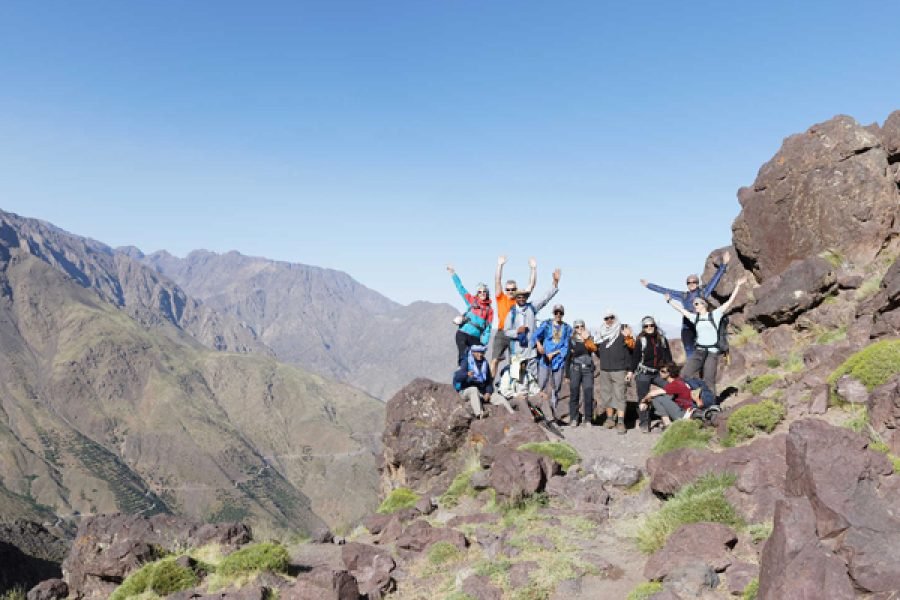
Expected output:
(759, 466)
(29, 553)
(794, 565)
(828, 189)
(108, 548)
(426, 422)
(696, 543)
(783, 297)
(516, 474)
(890, 136)
(884, 413)
(370, 566)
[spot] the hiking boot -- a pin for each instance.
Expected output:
(645, 428)
(610, 422)
(620, 429)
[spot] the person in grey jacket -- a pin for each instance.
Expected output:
(521, 323)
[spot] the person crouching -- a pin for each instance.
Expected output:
(475, 383)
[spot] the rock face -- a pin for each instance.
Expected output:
(782, 297)
(708, 544)
(838, 527)
(884, 413)
(829, 188)
(427, 422)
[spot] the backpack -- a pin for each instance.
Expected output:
(700, 390)
(721, 330)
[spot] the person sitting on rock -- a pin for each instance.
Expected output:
(615, 343)
(704, 362)
(580, 368)
(475, 322)
(673, 400)
(474, 382)
(505, 300)
(651, 351)
(521, 323)
(552, 343)
(694, 290)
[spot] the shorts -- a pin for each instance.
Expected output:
(499, 346)
(612, 390)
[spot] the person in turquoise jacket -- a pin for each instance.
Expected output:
(552, 343)
(475, 322)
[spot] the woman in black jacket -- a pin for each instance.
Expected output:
(651, 351)
(580, 368)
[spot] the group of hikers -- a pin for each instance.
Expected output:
(541, 353)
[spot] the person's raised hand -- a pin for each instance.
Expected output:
(556, 275)
(532, 263)
(726, 257)
(644, 282)
(667, 297)
(450, 269)
(501, 260)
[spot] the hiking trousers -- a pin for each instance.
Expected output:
(547, 374)
(473, 397)
(665, 406)
(705, 362)
(688, 337)
(612, 390)
(581, 378)
(642, 382)
(463, 342)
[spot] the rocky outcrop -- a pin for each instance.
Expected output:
(783, 297)
(708, 544)
(883, 406)
(426, 423)
(828, 189)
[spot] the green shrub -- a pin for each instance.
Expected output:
(162, 577)
(683, 434)
(873, 365)
(561, 452)
(745, 422)
(868, 288)
(459, 487)
(703, 500)
(743, 335)
(441, 553)
(645, 590)
(773, 362)
(17, 593)
(759, 532)
(751, 590)
(794, 363)
(834, 258)
(267, 556)
(492, 568)
(831, 336)
(760, 384)
(398, 499)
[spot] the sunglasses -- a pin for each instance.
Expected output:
(558, 312)
(693, 283)
(510, 290)
(651, 326)
(699, 304)
(579, 327)
(609, 318)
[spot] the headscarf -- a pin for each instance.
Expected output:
(480, 372)
(609, 332)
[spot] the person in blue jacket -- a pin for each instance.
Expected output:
(694, 290)
(475, 322)
(474, 382)
(552, 343)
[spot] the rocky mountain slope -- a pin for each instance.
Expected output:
(320, 319)
(120, 392)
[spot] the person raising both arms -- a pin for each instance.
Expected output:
(521, 323)
(694, 290)
(475, 324)
(704, 362)
(505, 301)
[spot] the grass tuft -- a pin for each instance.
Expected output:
(561, 452)
(773, 362)
(398, 499)
(682, 434)
(16, 593)
(703, 500)
(868, 288)
(834, 258)
(645, 590)
(162, 577)
(267, 556)
(872, 366)
(760, 532)
(747, 421)
(760, 384)
(830, 336)
(441, 553)
(743, 335)
(751, 590)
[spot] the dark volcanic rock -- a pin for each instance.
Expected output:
(420, 535)
(884, 413)
(29, 554)
(426, 423)
(370, 566)
(794, 565)
(515, 474)
(781, 298)
(826, 189)
(890, 136)
(52, 589)
(697, 543)
(322, 584)
(480, 587)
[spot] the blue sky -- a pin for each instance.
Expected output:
(386, 139)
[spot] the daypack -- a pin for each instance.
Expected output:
(700, 390)
(721, 330)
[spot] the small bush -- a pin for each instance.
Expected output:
(398, 499)
(703, 500)
(759, 532)
(645, 590)
(834, 258)
(683, 434)
(745, 422)
(868, 288)
(459, 487)
(441, 553)
(751, 590)
(267, 556)
(773, 363)
(872, 366)
(831, 336)
(743, 335)
(561, 452)
(492, 568)
(794, 363)
(760, 384)
(162, 577)
(17, 593)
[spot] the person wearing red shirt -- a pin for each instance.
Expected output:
(674, 401)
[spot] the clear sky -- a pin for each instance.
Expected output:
(386, 139)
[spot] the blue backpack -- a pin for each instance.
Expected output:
(706, 394)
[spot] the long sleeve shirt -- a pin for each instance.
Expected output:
(687, 297)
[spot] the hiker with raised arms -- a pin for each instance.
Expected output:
(475, 322)
(705, 359)
(521, 323)
(694, 290)
(505, 300)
